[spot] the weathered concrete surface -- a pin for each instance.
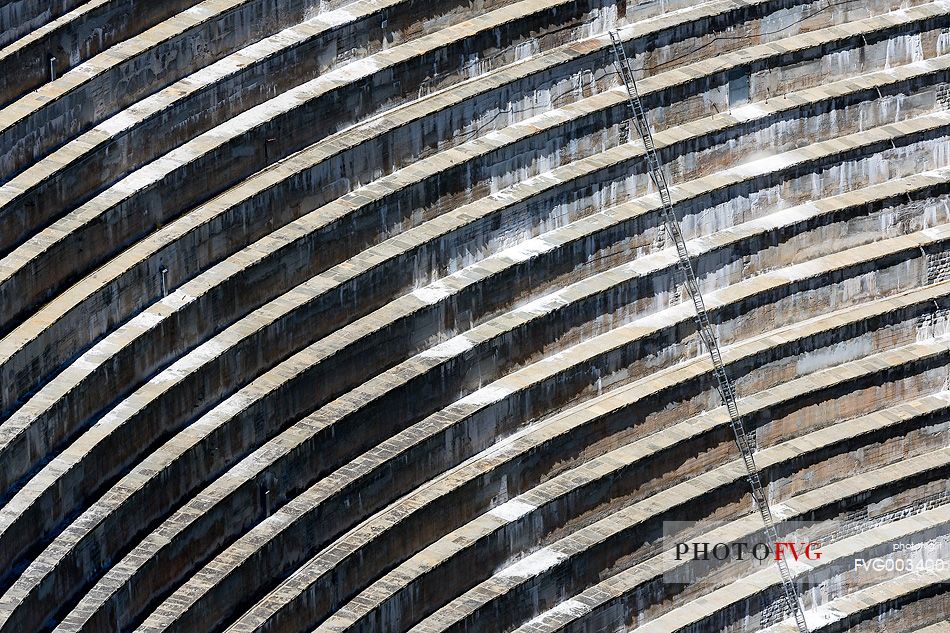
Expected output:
(414, 452)
(241, 261)
(360, 316)
(284, 64)
(154, 394)
(300, 189)
(40, 36)
(318, 567)
(19, 17)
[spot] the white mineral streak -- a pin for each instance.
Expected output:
(487, 395)
(512, 510)
(748, 112)
(452, 347)
(544, 305)
(526, 250)
(533, 564)
(571, 608)
(433, 293)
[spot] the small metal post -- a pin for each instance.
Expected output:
(265, 498)
(52, 68)
(163, 270)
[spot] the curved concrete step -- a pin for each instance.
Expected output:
(738, 235)
(41, 189)
(178, 265)
(204, 227)
(30, 36)
(299, 92)
(103, 449)
(20, 17)
(603, 542)
(281, 457)
(909, 530)
(595, 488)
(590, 607)
(207, 97)
(50, 492)
(219, 575)
(185, 159)
(108, 438)
(905, 602)
(373, 433)
(153, 323)
(611, 599)
(132, 69)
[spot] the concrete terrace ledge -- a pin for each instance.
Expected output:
(286, 454)
(824, 617)
(876, 603)
(90, 449)
(502, 254)
(100, 445)
(433, 570)
(82, 31)
(462, 613)
(295, 227)
(256, 224)
(583, 609)
(179, 266)
(174, 373)
(241, 263)
(287, 64)
(20, 17)
(161, 55)
(346, 316)
(42, 173)
(213, 574)
(613, 594)
(34, 261)
(494, 457)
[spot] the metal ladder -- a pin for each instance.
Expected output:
(706, 333)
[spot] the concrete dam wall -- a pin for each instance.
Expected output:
(361, 315)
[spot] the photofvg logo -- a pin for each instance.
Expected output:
(695, 552)
(741, 550)
(860, 551)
